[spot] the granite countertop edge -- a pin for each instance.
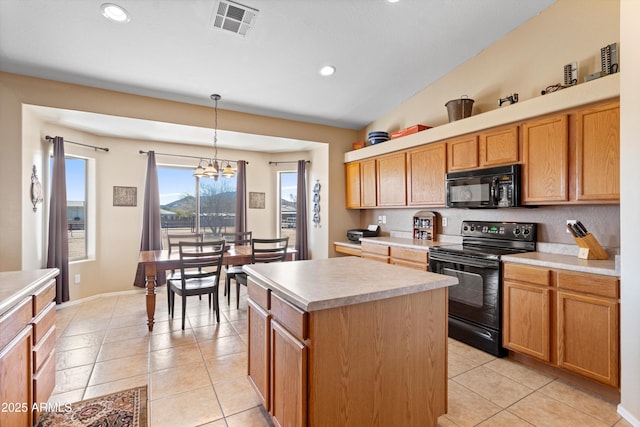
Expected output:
(320, 303)
(565, 262)
(17, 285)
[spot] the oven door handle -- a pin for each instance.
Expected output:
(465, 261)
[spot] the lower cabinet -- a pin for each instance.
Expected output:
(375, 252)
(411, 258)
(15, 372)
(360, 364)
(567, 319)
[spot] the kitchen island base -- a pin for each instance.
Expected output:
(367, 362)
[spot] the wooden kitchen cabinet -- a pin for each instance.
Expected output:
(499, 146)
(353, 183)
(426, 169)
(588, 326)
(546, 160)
(391, 180)
(526, 318)
(15, 366)
(259, 323)
(375, 252)
(411, 258)
(567, 319)
(368, 190)
(598, 153)
(462, 153)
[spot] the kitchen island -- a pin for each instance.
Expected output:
(349, 342)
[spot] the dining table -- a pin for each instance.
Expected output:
(158, 260)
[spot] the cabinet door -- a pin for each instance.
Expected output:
(289, 378)
(352, 187)
(598, 153)
(426, 168)
(392, 180)
(499, 147)
(462, 153)
(526, 319)
(368, 195)
(588, 336)
(545, 160)
(258, 358)
(15, 372)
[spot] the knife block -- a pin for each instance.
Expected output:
(590, 248)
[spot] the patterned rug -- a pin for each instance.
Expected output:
(127, 408)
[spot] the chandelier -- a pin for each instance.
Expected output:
(212, 169)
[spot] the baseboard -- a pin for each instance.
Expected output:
(94, 297)
(628, 417)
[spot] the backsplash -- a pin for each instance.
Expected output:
(603, 221)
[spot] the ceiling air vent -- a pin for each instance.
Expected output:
(234, 17)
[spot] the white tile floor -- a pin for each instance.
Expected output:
(197, 377)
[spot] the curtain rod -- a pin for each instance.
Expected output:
(291, 161)
(191, 157)
(50, 138)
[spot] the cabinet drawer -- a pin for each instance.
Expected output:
(45, 321)
(44, 348)
(43, 297)
(294, 319)
(411, 264)
(606, 286)
(372, 248)
(409, 254)
(44, 381)
(260, 295)
(14, 321)
(525, 273)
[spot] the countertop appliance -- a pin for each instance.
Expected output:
(497, 187)
(355, 234)
(475, 304)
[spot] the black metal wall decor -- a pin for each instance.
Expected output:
(36, 189)
(316, 204)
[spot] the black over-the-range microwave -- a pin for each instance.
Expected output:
(497, 187)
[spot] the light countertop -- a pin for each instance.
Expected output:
(17, 285)
(335, 282)
(565, 262)
(396, 241)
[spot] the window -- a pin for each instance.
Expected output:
(181, 194)
(287, 192)
(76, 176)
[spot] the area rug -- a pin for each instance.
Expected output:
(127, 408)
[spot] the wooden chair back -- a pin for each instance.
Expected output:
(238, 238)
(200, 259)
(174, 239)
(269, 250)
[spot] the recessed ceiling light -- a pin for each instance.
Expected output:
(393, 1)
(327, 70)
(114, 12)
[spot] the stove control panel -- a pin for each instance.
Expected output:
(500, 230)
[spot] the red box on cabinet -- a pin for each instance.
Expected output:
(409, 131)
(357, 145)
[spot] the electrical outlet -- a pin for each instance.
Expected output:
(379, 219)
(570, 222)
(445, 221)
(77, 278)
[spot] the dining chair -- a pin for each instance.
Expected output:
(230, 271)
(173, 239)
(263, 251)
(200, 267)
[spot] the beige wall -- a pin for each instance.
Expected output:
(630, 206)
(525, 61)
(21, 136)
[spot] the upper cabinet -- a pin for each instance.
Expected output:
(462, 153)
(391, 180)
(498, 147)
(426, 168)
(569, 157)
(546, 160)
(598, 153)
(352, 184)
